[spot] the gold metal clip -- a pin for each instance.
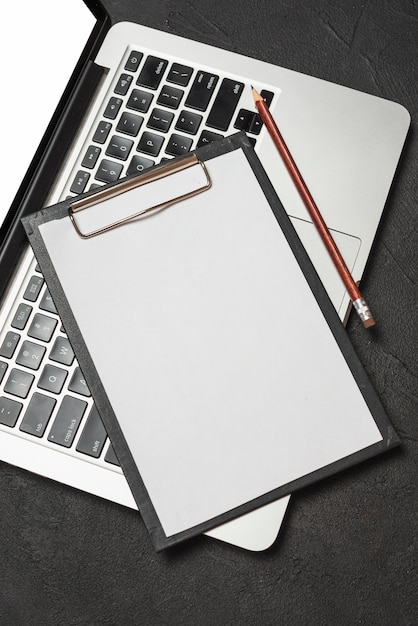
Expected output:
(168, 169)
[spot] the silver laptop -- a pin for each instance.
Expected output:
(148, 96)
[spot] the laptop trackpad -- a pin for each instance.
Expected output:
(348, 246)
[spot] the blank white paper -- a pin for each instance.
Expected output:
(229, 383)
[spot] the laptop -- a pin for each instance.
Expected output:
(135, 97)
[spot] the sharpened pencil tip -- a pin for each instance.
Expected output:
(256, 95)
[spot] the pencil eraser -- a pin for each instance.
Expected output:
(369, 323)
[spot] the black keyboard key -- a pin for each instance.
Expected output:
(47, 303)
(170, 97)
(80, 181)
(119, 147)
(91, 156)
(180, 74)
(256, 125)
(9, 411)
(42, 327)
(249, 121)
(94, 436)
(139, 100)
(110, 456)
(52, 379)
(188, 122)
(178, 145)
(152, 72)
(244, 119)
(150, 144)
(21, 316)
(37, 415)
(34, 288)
(123, 84)
(201, 91)
(19, 383)
(267, 96)
(139, 164)
(208, 136)
(129, 124)
(160, 120)
(78, 383)
(9, 344)
(108, 171)
(133, 61)
(67, 421)
(3, 369)
(62, 351)
(112, 108)
(102, 132)
(225, 103)
(30, 355)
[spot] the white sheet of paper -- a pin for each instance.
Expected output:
(215, 355)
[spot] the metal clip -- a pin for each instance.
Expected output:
(157, 173)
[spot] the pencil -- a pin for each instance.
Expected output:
(357, 299)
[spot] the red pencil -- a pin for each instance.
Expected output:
(359, 303)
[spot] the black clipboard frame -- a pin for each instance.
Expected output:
(121, 447)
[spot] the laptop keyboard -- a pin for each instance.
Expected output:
(155, 110)
(161, 112)
(44, 394)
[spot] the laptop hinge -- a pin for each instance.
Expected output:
(44, 168)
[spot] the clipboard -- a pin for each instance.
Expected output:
(216, 360)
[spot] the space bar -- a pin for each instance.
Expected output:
(225, 103)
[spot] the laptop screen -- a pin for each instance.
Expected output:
(35, 66)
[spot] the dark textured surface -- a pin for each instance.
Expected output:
(348, 550)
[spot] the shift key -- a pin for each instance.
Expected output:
(201, 91)
(93, 437)
(67, 421)
(225, 104)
